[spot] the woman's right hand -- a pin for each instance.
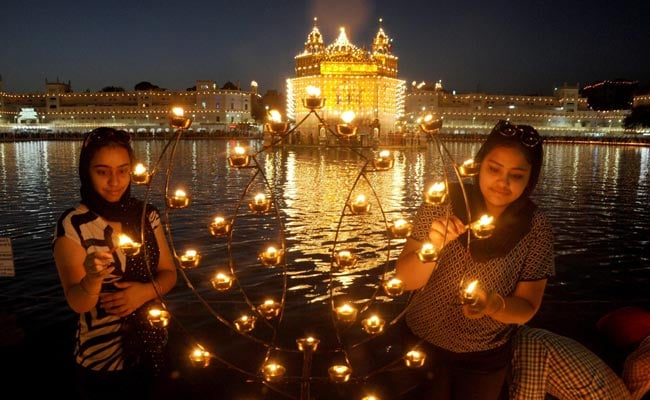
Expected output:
(99, 264)
(445, 229)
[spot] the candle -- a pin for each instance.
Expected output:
(346, 313)
(273, 371)
(469, 293)
(219, 227)
(400, 228)
(190, 259)
(271, 256)
(313, 101)
(269, 309)
(346, 129)
(245, 323)
(199, 357)
(393, 287)
(427, 253)
(469, 168)
(483, 228)
(178, 200)
(383, 161)
(158, 318)
(339, 373)
(140, 175)
(239, 158)
(260, 203)
(345, 259)
(307, 344)
(414, 359)
(436, 194)
(128, 246)
(373, 325)
(430, 124)
(221, 281)
(360, 205)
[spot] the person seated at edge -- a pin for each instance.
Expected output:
(469, 345)
(117, 352)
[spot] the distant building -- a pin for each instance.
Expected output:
(60, 109)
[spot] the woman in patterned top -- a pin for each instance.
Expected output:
(470, 342)
(118, 353)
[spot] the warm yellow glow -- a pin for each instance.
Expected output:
(178, 111)
(313, 91)
(180, 194)
(471, 287)
(348, 116)
(275, 116)
(139, 169)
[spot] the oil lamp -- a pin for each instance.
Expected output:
(346, 313)
(128, 246)
(307, 344)
(400, 228)
(245, 323)
(271, 256)
(178, 119)
(238, 158)
(469, 168)
(373, 324)
(273, 372)
(414, 358)
(200, 357)
(393, 287)
(190, 259)
(427, 253)
(178, 200)
(339, 373)
(346, 129)
(269, 309)
(140, 175)
(221, 281)
(158, 317)
(383, 160)
(469, 295)
(219, 227)
(313, 101)
(360, 205)
(436, 194)
(345, 259)
(260, 204)
(430, 124)
(275, 125)
(483, 228)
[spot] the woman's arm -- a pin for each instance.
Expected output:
(81, 274)
(518, 308)
(415, 273)
(135, 294)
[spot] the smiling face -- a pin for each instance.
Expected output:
(503, 177)
(110, 172)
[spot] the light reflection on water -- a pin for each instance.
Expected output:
(597, 197)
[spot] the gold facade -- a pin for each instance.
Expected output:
(349, 79)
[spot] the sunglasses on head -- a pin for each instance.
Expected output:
(526, 134)
(105, 134)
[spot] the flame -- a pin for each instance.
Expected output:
(313, 91)
(178, 111)
(469, 290)
(139, 169)
(275, 116)
(347, 116)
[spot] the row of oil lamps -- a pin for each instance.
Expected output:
(345, 313)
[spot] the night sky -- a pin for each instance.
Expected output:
(499, 46)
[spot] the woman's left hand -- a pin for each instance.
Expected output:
(125, 301)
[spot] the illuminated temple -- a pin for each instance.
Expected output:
(349, 79)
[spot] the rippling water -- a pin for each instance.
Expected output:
(597, 197)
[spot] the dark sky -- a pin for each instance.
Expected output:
(499, 46)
